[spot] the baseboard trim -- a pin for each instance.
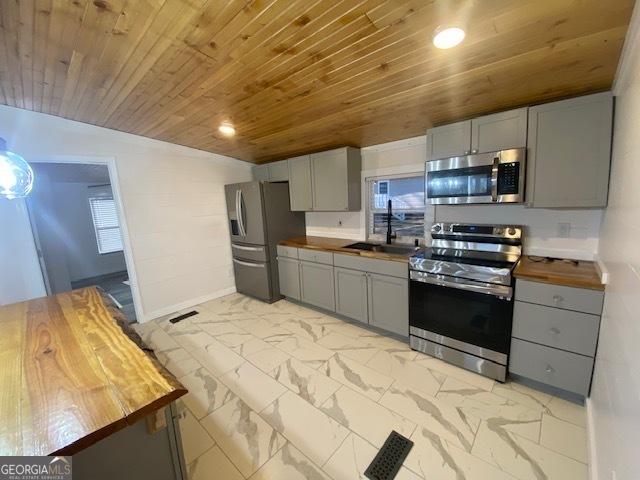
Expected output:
(591, 443)
(187, 304)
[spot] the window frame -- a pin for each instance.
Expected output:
(96, 229)
(369, 211)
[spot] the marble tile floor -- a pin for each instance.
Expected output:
(285, 392)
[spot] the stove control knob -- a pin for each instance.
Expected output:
(436, 228)
(499, 231)
(512, 231)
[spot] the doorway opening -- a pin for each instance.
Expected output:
(77, 231)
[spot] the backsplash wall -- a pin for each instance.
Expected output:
(542, 229)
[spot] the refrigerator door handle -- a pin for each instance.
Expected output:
(249, 264)
(248, 249)
(240, 213)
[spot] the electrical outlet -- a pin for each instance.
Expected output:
(564, 229)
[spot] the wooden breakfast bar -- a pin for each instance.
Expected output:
(73, 377)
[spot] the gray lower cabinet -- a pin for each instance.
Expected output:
(569, 155)
(351, 294)
(316, 285)
(289, 275)
(389, 303)
(555, 334)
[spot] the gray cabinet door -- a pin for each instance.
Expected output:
(329, 180)
(449, 140)
(570, 152)
(289, 276)
(300, 183)
(261, 173)
(279, 171)
(316, 285)
(351, 293)
(389, 303)
(499, 131)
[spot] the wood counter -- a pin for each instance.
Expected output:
(580, 274)
(73, 372)
(338, 245)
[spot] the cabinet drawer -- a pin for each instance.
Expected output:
(289, 252)
(373, 265)
(316, 256)
(559, 296)
(568, 371)
(573, 331)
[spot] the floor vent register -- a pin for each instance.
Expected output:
(183, 316)
(390, 457)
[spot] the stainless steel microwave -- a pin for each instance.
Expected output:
(494, 177)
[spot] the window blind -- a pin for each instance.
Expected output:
(105, 222)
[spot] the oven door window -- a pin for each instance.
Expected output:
(460, 182)
(475, 318)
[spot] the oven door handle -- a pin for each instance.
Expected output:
(501, 291)
(494, 179)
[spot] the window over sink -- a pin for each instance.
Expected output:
(406, 193)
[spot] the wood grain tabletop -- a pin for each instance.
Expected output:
(72, 372)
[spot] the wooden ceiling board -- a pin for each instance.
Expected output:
(297, 76)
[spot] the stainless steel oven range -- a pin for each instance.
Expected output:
(461, 296)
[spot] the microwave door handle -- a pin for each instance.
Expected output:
(494, 179)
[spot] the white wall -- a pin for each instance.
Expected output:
(408, 156)
(172, 197)
(20, 276)
(614, 406)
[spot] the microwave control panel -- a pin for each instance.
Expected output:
(508, 178)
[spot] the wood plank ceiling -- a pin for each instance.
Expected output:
(296, 76)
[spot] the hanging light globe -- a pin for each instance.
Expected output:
(16, 175)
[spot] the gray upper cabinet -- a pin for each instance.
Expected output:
(326, 181)
(300, 193)
(272, 172)
(279, 171)
(570, 152)
(351, 294)
(449, 140)
(389, 303)
(261, 173)
(499, 131)
(316, 285)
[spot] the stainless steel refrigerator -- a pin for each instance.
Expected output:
(259, 218)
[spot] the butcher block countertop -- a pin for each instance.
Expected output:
(337, 245)
(580, 274)
(73, 372)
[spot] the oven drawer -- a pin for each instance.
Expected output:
(559, 296)
(565, 329)
(315, 256)
(289, 252)
(565, 370)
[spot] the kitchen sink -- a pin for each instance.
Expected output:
(375, 247)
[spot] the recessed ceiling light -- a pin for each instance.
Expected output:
(448, 37)
(227, 129)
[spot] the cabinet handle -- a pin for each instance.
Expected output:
(558, 298)
(554, 330)
(474, 151)
(550, 369)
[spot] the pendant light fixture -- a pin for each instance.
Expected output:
(16, 176)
